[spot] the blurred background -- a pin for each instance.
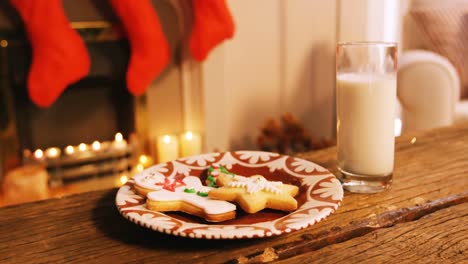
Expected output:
(268, 87)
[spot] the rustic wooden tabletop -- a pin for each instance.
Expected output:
(422, 219)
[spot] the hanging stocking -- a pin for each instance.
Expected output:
(59, 57)
(213, 24)
(149, 48)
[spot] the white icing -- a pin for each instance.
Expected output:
(215, 171)
(209, 206)
(256, 184)
(149, 181)
(195, 183)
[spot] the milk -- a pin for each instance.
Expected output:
(365, 123)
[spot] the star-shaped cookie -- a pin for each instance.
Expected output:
(254, 193)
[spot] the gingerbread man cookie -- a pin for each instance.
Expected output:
(253, 193)
(190, 197)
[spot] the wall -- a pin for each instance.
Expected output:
(280, 60)
(411, 38)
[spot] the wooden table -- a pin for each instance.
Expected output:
(422, 219)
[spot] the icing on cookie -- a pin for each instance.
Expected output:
(149, 181)
(157, 181)
(213, 172)
(252, 184)
(196, 198)
(208, 205)
(171, 184)
(189, 190)
(256, 184)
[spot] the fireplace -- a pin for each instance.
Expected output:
(75, 138)
(96, 128)
(95, 108)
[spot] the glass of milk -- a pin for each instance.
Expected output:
(365, 103)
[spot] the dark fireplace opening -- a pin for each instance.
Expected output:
(95, 108)
(85, 132)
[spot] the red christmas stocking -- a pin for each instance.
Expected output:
(59, 55)
(149, 48)
(213, 24)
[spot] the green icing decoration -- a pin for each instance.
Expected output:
(210, 169)
(224, 170)
(191, 190)
(211, 181)
(202, 194)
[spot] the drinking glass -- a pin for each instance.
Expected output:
(365, 103)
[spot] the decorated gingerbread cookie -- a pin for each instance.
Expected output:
(148, 182)
(252, 193)
(187, 194)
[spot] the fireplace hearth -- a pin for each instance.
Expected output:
(90, 117)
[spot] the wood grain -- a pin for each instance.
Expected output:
(357, 229)
(430, 175)
(440, 237)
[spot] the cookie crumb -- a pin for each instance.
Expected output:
(268, 255)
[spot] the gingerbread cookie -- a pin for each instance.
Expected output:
(253, 193)
(148, 182)
(190, 196)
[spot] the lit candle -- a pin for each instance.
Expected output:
(82, 147)
(119, 141)
(69, 150)
(145, 161)
(39, 154)
(168, 148)
(96, 146)
(118, 137)
(52, 153)
(140, 167)
(123, 179)
(190, 144)
(120, 179)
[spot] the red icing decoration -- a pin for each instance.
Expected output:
(170, 185)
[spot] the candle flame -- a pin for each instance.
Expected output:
(82, 147)
(143, 159)
(140, 167)
(38, 154)
(167, 139)
(96, 145)
(189, 135)
(69, 150)
(123, 179)
(52, 152)
(413, 140)
(118, 137)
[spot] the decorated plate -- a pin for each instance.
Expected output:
(320, 194)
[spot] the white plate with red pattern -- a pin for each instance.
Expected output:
(320, 194)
